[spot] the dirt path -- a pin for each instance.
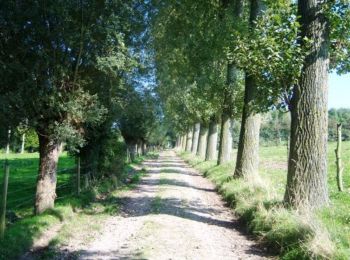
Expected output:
(174, 213)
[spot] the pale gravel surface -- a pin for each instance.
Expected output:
(174, 213)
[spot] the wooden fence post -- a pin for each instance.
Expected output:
(4, 200)
(78, 175)
(340, 167)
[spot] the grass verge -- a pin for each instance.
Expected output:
(293, 235)
(94, 203)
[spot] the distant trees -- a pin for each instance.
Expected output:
(337, 116)
(206, 53)
(138, 120)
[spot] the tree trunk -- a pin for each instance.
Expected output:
(196, 129)
(184, 141)
(132, 148)
(307, 165)
(23, 143)
(189, 140)
(178, 143)
(8, 141)
(139, 148)
(61, 147)
(144, 148)
(203, 138)
(247, 163)
(212, 141)
(225, 143)
(46, 184)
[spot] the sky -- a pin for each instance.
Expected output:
(339, 91)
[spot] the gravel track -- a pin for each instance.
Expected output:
(174, 213)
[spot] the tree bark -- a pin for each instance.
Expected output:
(61, 147)
(143, 148)
(225, 143)
(203, 138)
(8, 141)
(139, 148)
(178, 142)
(196, 129)
(189, 140)
(47, 179)
(23, 143)
(132, 151)
(307, 165)
(183, 142)
(212, 141)
(184, 139)
(247, 163)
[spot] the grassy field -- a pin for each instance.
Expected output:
(295, 235)
(23, 175)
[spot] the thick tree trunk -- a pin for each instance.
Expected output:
(47, 179)
(307, 165)
(225, 142)
(247, 163)
(203, 138)
(196, 129)
(189, 140)
(23, 143)
(212, 141)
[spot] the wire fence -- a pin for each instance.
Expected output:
(19, 181)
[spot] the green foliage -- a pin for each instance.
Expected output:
(31, 141)
(338, 12)
(191, 64)
(275, 128)
(337, 116)
(140, 115)
(67, 53)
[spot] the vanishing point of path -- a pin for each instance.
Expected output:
(174, 213)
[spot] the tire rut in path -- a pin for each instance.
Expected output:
(174, 213)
